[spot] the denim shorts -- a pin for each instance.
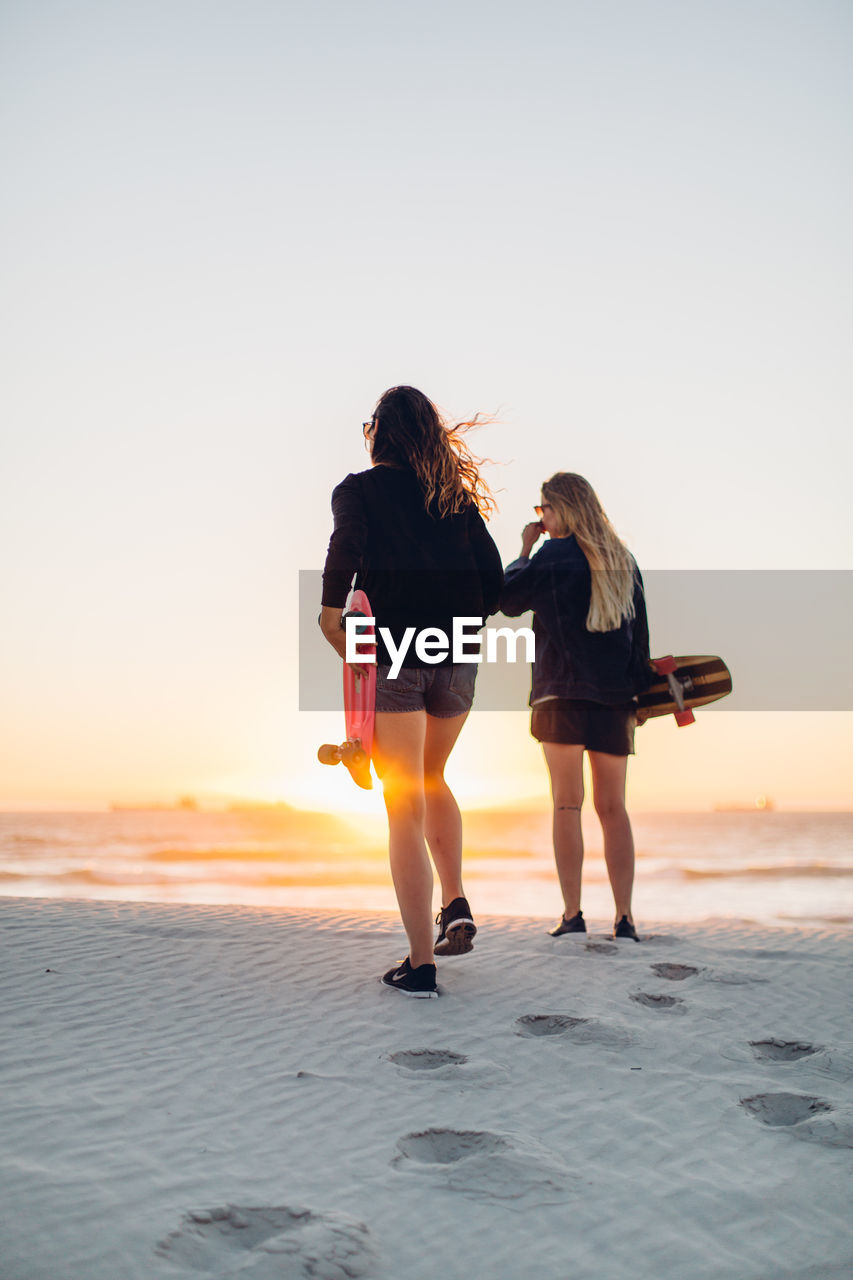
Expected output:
(440, 691)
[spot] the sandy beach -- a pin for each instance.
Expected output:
(209, 1091)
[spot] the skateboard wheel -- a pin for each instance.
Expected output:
(664, 666)
(328, 753)
(684, 717)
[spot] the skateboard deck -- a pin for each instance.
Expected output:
(680, 685)
(359, 704)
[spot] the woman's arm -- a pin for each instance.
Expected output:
(343, 559)
(640, 636)
(347, 543)
(489, 564)
(522, 577)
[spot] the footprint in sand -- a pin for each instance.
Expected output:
(675, 972)
(269, 1243)
(783, 1050)
(485, 1166)
(547, 1024)
(446, 1064)
(427, 1059)
(673, 1004)
(806, 1117)
(833, 1062)
(579, 1030)
(602, 948)
(793, 1056)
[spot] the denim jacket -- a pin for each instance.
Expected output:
(599, 666)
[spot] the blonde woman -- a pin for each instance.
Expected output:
(592, 654)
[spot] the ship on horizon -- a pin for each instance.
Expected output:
(185, 804)
(761, 804)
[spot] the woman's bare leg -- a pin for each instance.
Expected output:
(565, 765)
(608, 789)
(443, 825)
(398, 755)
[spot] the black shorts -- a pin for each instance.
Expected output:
(593, 725)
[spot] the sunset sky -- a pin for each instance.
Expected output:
(620, 229)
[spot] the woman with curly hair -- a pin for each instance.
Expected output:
(412, 530)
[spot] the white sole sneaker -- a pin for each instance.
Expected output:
(401, 979)
(458, 940)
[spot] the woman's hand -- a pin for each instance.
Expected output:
(530, 535)
(330, 625)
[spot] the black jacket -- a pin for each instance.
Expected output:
(418, 570)
(571, 662)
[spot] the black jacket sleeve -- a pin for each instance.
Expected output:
(347, 543)
(640, 636)
(521, 580)
(489, 564)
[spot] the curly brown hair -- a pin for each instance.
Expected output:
(410, 431)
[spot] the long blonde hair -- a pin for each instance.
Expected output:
(409, 430)
(578, 511)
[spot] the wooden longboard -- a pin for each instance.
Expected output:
(681, 684)
(359, 705)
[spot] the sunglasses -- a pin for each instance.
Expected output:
(546, 506)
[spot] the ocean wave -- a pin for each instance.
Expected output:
(319, 878)
(816, 870)
(18, 837)
(821, 919)
(83, 876)
(242, 853)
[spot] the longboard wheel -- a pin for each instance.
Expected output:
(328, 753)
(664, 666)
(684, 717)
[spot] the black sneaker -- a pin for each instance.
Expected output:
(577, 924)
(418, 983)
(624, 929)
(456, 929)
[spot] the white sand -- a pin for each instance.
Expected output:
(200, 1091)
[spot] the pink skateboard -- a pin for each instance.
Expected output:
(359, 704)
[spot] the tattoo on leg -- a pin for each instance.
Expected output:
(576, 807)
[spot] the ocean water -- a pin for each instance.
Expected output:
(770, 867)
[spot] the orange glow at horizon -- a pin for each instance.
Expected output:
(797, 760)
